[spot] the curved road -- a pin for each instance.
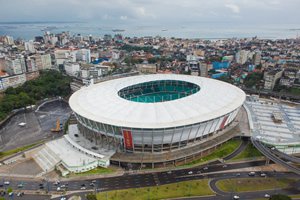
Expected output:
(257, 194)
(269, 154)
(241, 148)
(285, 156)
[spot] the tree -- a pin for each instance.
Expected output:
(9, 190)
(253, 79)
(50, 83)
(280, 197)
(91, 197)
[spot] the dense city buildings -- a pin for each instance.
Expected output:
(261, 64)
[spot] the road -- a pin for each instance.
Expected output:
(241, 148)
(214, 172)
(133, 180)
(291, 158)
(137, 180)
(269, 154)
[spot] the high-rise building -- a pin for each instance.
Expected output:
(242, 56)
(15, 66)
(71, 68)
(9, 40)
(83, 55)
(203, 69)
(29, 46)
(30, 63)
(257, 58)
(43, 61)
(270, 77)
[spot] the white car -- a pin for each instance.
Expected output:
(58, 189)
(83, 188)
(263, 175)
(6, 183)
(236, 197)
(190, 172)
(267, 196)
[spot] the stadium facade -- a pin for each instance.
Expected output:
(155, 114)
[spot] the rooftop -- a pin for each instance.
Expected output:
(102, 103)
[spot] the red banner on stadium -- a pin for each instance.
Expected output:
(223, 122)
(127, 139)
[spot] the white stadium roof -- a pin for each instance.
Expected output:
(101, 103)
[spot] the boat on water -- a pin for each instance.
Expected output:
(118, 30)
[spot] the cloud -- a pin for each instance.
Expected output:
(123, 17)
(234, 8)
(152, 12)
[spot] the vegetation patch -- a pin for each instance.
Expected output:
(174, 190)
(98, 170)
(249, 152)
(252, 184)
(253, 79)
(221, 151)
(51, 83)
(14, 151)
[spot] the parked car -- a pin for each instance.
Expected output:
(251, 173)
(263, 175)
(6, 182)
(20, 194)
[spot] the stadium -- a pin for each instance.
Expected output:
(154, 119)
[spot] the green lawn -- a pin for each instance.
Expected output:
(13, 151)
(249, 152)
(220, 152)
(252, 184)
(98, 170)
(174, 190)
(296, 196)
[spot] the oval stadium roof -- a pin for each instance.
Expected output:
(101, 103)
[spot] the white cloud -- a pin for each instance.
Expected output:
(152, 12)
(123, 17)
(234, 8)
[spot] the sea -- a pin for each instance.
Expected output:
(205, 30)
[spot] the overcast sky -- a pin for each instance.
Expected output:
(152, 12)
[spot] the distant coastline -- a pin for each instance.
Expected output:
(207, 31)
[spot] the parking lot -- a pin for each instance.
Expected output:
(37, 125)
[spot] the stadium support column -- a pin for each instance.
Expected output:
(107, 140)
(267, 161)
(197, 133)
(172, 138)
(179, 143)
(114, 140)
(152, 146)
(188, 139)
(162, 141)
(143, 145)
(95, 136)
